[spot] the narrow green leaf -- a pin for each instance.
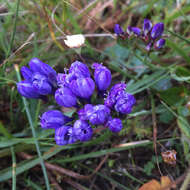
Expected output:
(179, 50)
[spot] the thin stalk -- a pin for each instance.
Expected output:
(13, 168)
(34, 134)
(186, 182)
(14, 28)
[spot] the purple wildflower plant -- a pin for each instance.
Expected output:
(150, 35)
(74, 88)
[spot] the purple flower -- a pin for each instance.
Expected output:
(102, 76)
(65, 97)
(41, 84)
(124, 103)
(118, 30)
(53, 119)
(99, 115)
(147, 26)
(115, 125)
(115, 90)
(38, 66)
(40, 79)
(159, 44)
(27, 90)
(82, 130)
(65, 135)
(157, 30)
(133, 30)
(85, 112)
(83, 87)
(79, 70)
(26, 73)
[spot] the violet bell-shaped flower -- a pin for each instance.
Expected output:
(53, 119)
(147, 26)
(27, 90)
(115, 125)
(83, 87)
(82, 130)
(65, 135)
(100, 115)
(41, 84)
(159, 44)
(102, 76)
(124, 103)
(40, 79)
(65, 97)
(79, 70)
(133, 30)
(118, 30)
(85, 112)
(114, 91)
(36, 65)
(157, 30)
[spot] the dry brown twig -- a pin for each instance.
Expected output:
(66, 171)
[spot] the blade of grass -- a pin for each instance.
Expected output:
(13, 168)
(14, 30)
(104, 152)
(180, 37)
(178, 49)
(34, 134)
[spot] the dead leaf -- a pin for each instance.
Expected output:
(151, 185)
(155, 185)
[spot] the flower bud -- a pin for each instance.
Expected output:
(102, 76)
(27, 90)
(83, 87)
(147, 26)
(26, 73)
(82, 130)
(114, 91)
(41, 84)
(99, 115)
(157, 30)
(64, 135)
(118, 30)
(38, 66)
(65, 97)
(159, 44)
(115, 125)
(124, 103)
(85, 112)
(133, 30)
(53, 119)
(79, 70)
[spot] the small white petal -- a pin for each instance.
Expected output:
(75, 41)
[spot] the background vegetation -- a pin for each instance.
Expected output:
(159, 80)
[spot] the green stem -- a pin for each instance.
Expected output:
(13, 168)
(186, 182)
(14, 29)
(34, 134)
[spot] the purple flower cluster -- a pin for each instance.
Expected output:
(39, 80)
(150, 34)
(72, 89)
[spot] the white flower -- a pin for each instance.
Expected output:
(75, 41)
